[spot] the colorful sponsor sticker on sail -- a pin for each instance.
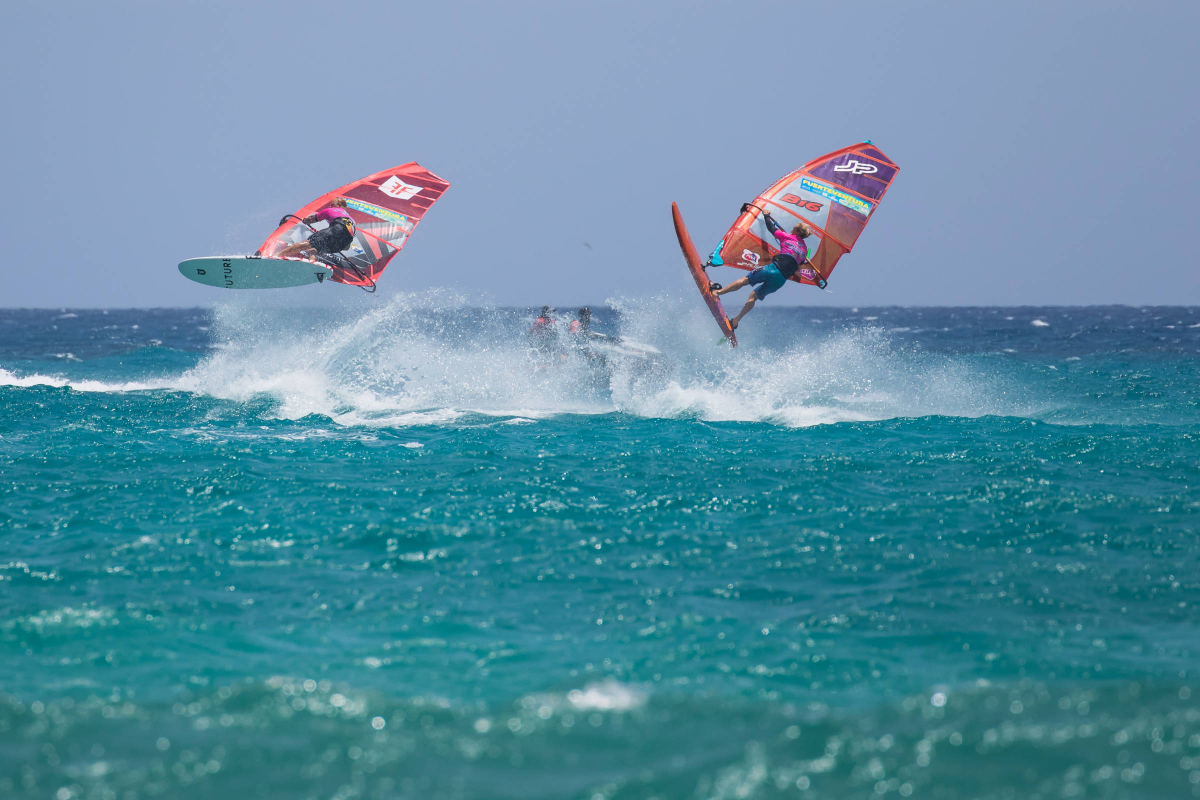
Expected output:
(375, 211)
(836, 195)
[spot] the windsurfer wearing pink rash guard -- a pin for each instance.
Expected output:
(334, 239)
(771, 277)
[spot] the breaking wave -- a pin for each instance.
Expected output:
(428, 359)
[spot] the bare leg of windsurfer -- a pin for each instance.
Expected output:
(750, 301)
(293, 250)
(733, 287)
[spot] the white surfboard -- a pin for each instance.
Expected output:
(250, 272)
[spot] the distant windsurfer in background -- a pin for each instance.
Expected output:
(771, 277)
(543, 332)
(334, 239)
(583, 323)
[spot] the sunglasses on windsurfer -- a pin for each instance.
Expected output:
(772, 276)
(334, 239)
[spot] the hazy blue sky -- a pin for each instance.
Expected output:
(1048, 151)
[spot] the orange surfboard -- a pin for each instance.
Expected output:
(695, 266)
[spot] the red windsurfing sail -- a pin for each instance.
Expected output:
(386, 207)
(835, 195)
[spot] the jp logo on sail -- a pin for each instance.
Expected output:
(857, 167)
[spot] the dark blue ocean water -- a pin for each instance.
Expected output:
(932, 553)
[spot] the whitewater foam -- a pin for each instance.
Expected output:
(430, 359)
(8, 378)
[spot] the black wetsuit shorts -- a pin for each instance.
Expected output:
(334, 239)
(786, 264)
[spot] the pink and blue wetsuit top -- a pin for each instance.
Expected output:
(772, 276)
(332, 213)
(789, 244)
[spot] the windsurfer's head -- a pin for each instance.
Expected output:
(545, 312)
(802, 230)
(340, 202)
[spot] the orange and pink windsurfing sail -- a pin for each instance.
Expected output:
(385, 207)
(835, 195)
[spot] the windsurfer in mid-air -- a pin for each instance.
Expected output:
(772, 276)
(332, 240)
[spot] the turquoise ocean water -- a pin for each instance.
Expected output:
(931, 553)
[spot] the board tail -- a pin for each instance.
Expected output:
(696, 267)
